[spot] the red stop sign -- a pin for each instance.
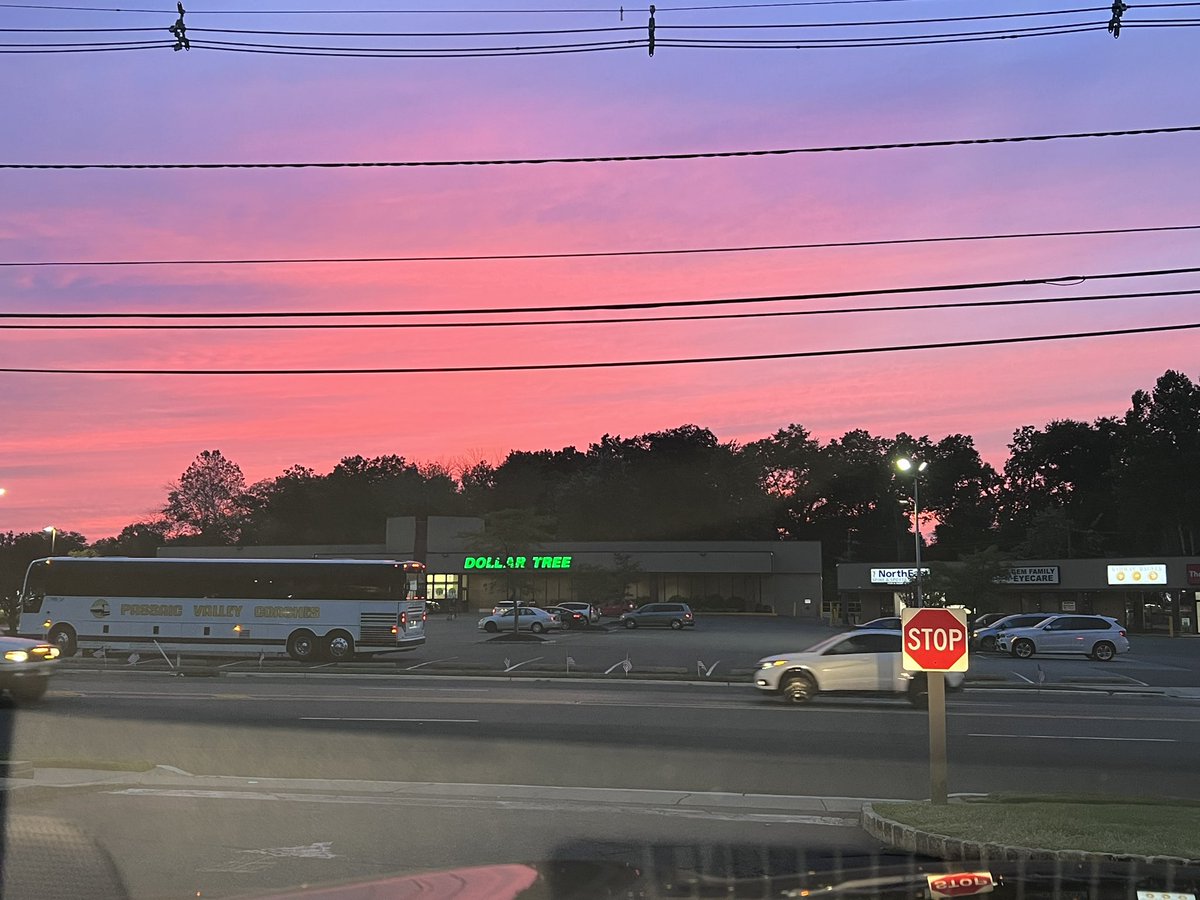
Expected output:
(960, 884)
(934, 640)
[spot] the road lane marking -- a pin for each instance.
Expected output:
(406, 691)
(525, 663)
(1023, 678)
(1078, 737)
(750, 706)
(369, 719)
(430, 663)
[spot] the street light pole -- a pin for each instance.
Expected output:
(904, 464)
(53, 532)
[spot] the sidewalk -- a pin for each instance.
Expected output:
(47, 783)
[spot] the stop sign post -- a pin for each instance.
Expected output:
(934, 641)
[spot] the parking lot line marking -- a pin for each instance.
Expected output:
(367, 719)
(1023, 678)
(430, 662)
(1078, 737)
(526, 662)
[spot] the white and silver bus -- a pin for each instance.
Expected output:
(312, 609)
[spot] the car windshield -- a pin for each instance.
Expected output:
(432, 433)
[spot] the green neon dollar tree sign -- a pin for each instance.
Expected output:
(517, 562)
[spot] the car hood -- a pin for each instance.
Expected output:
(882, 876)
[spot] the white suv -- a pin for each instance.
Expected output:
(865, 661)
(1099, 637)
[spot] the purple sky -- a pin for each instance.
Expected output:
(93, 453)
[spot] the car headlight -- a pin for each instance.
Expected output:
(18, 656)
(770, 664)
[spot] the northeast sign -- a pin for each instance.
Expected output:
(934, 639)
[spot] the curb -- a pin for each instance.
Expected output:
(942, 846)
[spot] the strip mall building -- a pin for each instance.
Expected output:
(1146, 594)
(464, 565)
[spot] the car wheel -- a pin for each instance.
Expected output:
(918, 693)
(630, 623)
(491, 627)
(799, 689)
(302, 646)
(676, 624)
(63, 637)
(988, 644)
(1023, 649)
(537, 627)
(1103, 651)
(29, 690)
(339, 647)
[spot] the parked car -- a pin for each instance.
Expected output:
(25, 667)
(1099, 637)
(530, 619)
(570, 618)
(860, 662)
(504, 605)
(889, 622)
(616, 607)
(985, 638)
(987, 619)
(592, 612)
(673, 615)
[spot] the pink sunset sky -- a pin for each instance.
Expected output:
(92, 453)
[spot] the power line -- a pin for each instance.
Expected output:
(595, 307)
(627, 320)
(756, 26)
(614, 10)
(594, 254)
(614, 364)
(646, 157)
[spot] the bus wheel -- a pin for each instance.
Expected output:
(339, 647)
(63, 637)
(302, 646)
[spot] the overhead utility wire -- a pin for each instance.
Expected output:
(595, 307)
(756, 26)
(645, 157)
(620, 320)
(889, 40)
(614, 364)
(665, 39)
(614, 10)
(594, 254)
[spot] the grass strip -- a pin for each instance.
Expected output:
(1162, 828)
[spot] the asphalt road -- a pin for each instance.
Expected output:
(679, 737)
(318, 773)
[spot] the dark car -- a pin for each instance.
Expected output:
(983, 621)
(570, 618)
(985, 638)
(672, 615)
(616, 607)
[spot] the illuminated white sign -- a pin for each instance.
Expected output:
(1138, 576)
(896, 576)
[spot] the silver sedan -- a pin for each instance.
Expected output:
(530, 619)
